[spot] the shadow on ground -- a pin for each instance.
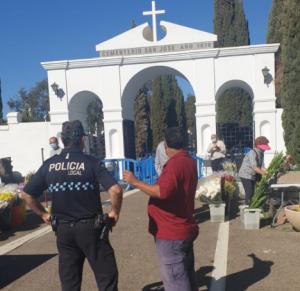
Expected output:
(32, 222)
(201, 214)
(12, 267)
(239, 281)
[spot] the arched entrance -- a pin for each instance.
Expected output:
(119, 73)
(87, 107)
(234, 119)
(154, 95)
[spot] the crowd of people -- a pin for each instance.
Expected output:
(73, 178)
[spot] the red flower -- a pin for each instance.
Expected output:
(228, 178)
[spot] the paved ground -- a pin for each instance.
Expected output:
(33, 222)
(266, 259)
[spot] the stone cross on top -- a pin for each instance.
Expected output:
(154, 12)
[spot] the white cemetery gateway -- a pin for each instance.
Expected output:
(130, 59)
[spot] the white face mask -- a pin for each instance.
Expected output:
(54, 146)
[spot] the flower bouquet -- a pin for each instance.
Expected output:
(209, 189)
(12, 208)
(230, 191)
(230, 168)
(6, 202)
(209, 192)
(278, 166)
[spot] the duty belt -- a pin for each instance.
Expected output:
(73, 221)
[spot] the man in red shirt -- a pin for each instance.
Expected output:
(170, 209)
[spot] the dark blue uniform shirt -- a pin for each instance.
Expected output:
(73, 180)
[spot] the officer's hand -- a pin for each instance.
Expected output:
(46, 217)
(129, 177)
(114, 215)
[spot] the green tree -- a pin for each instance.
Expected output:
(166, 106)
(32, 104)
(275, 35)
(223, 22)
(168, 98)
(190, 111)
(179, 104)
(95, 117)
(95, 128)
(158, 112)
(290, 89)
(164, 99)
(230, 23)
(241, 27)
(143, 136)
(231, 26)
(235, 107)
(174, 102)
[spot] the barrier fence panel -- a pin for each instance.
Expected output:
(199, 166)
(142, 168)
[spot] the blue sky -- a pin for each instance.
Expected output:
(32, 31)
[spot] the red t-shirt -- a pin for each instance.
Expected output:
(171, 216)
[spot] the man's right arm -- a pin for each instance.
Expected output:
(36, 207)
(116, 198)
(34, 189)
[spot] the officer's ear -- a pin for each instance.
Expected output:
(63, 140)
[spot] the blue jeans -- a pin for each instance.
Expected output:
(176, 260)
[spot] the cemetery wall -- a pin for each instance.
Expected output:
(23, 142)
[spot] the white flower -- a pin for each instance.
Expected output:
(209, 187)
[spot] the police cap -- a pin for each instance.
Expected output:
(72, 130)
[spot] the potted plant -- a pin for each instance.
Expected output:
(230, 191)
(279, 165)
(18, 212)
(6, 202)
(209, 192)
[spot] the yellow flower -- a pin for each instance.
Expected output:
(6, 196)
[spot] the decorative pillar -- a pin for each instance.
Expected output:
(206, 125)
(113, 130)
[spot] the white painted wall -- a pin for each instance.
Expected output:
(23, 143)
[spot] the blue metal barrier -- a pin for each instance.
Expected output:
(142, 168)
(147, 171)
(199, 166)
(116, 168)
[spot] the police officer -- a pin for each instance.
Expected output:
(73, 179)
